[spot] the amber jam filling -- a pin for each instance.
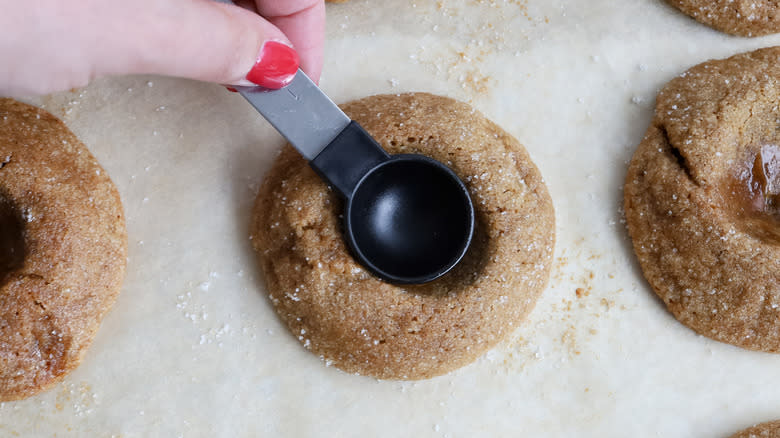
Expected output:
(754, 194)
(11, 238)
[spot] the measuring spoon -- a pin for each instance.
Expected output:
(407, 218)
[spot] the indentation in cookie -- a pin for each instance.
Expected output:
(12, 246)
(470, 268)
(754, 193)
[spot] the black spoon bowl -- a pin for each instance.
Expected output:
(409, 220)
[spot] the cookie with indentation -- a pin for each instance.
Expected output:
(748, 18)
(360, 324)
(63, 249)
(702, 199)
(764, 430)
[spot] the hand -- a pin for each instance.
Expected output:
(51, 45)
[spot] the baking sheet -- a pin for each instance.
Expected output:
(193, 348)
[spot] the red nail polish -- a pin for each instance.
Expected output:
(275, 67)
(232, 90)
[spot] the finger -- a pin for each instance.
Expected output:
(303, 21)
(198, 39)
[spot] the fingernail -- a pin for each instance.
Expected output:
(275, 67)
(232, 90)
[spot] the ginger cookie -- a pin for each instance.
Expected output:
(701, 199)
(63, 249)
(363, 325)
(764, 430)
(737, 17)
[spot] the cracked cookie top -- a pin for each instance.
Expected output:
(701, 199)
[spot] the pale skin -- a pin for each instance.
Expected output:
(53, 45)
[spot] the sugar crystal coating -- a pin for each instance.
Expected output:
(66, 259)
(703, 227)
(738, 17)
(362, 325)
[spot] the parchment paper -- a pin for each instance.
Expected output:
(193, 348)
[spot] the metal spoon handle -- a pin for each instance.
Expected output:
(335, 146)
(301, 112)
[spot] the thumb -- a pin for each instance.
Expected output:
(203, 40)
